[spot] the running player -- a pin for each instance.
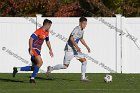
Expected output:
(72, 49)
(35, 42)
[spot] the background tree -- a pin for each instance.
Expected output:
(70, 8)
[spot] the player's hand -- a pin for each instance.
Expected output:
(88, 49)
(51, 53)
(78, 49)
(31, 52)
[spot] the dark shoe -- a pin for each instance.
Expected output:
(14, 71)
(32, 80)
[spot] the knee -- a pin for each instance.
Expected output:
(82, 60)
(39, 64)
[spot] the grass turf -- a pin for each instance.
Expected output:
(69, 83)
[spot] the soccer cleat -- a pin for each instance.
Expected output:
(84, 79)
(49, 69)
(32, 80)
(14, 71)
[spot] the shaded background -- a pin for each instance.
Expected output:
(69, 8)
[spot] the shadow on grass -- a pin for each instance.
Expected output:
(10, 80)
(54, 78)
(51, 77)
(42, 78)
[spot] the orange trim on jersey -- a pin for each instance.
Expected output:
(34, 53)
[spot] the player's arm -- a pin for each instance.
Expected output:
(84, 43)
(49, 46)
(30, 45)
(74, 43)
(32, 37)
(30, 42)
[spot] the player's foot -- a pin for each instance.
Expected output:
(84, 78)
(32, 80)
(49, 70)
(14, 71)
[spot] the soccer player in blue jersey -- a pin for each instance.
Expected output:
(35, 43)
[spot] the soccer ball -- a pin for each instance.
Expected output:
(108, 78)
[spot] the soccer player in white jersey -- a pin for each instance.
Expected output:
(72, 49)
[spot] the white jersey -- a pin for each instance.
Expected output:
(77, 34)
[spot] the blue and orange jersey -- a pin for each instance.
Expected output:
(39, 36)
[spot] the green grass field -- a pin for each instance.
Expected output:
(70, 83)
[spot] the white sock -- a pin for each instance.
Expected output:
(83, 69)
(59, 66)
(32, 78)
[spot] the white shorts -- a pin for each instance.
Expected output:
(69, 55)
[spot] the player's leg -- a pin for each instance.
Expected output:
(83, 68)
(16, 69)
(67, 58)
(58, 67)
(81, 58)
(39, 63)
(25, 68)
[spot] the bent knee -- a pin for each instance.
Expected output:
(39, 64)
(82, 60)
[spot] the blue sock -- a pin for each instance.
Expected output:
(36, 69)
(26, 68)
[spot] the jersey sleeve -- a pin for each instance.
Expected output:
(73, 32)
(35, 34)
(47, 38)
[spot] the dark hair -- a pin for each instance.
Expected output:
(82, 19)
(47, 21)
